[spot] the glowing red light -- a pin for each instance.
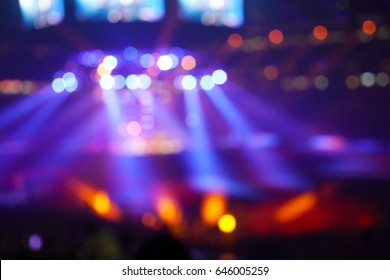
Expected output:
(369, 27)
(276, 37)
(235, 40)
(320, 32)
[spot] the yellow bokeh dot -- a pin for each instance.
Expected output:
(227, 223)
(102, 71)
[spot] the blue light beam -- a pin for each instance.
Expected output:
(204, 164)
(266, 165)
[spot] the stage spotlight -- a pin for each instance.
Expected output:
(120, 11)
(132, 82)
(58, 85)
(188, 82)
(110, 62)
(228, 13)
(165, 62)
(68, 82)
(219, 77)
(120, 82)
(144, 81)
(107, 82)
(207, 83)
(41, 13)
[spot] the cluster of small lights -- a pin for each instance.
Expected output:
(160, 72)
(206, 82)
(41, 13)
(367, 80)
(168, 211)
(319, 35)
(136, 70)
(213, 12)
(17, 87)
(321, 82)
(120, 11)
(134, 144)
(68, 82)
(302, 82)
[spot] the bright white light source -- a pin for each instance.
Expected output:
(58, 85)
(175, 60)
(144, 81)
(41, 13)
(132, 81)
(217, 4)
(367, 79)
(213, 12)
(107, 82)
(219, 77)
(70, 82)
(188, 82)
(110, 63)
(165, 62)
(207, 83)
(126, 2)
(27, 4)
(44, 5)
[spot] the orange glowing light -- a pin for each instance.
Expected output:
(169, 210)
(97, 200)
(276, 37)
(213, 207)
(101, 203)
(188, 62)
(296, 207)
(369, 27)
(235, 40)
(227, 223)
(320, 32)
